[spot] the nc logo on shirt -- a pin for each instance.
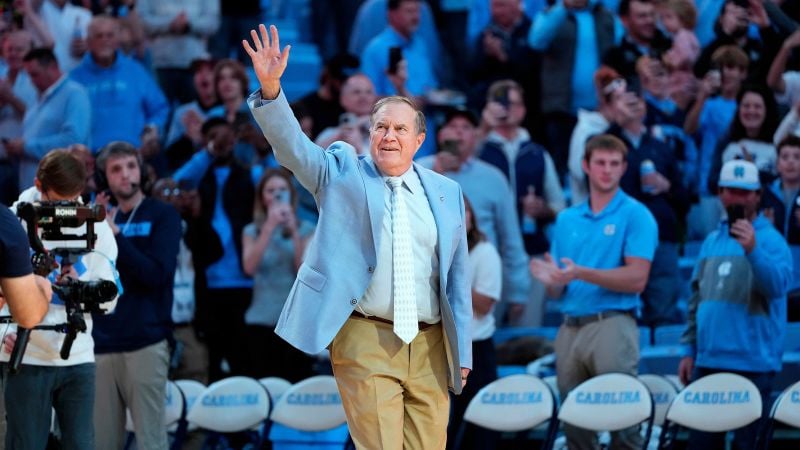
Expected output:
(609, 229)
(724, 269)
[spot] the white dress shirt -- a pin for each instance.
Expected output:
(378, 299)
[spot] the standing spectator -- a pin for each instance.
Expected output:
(321, 109)
(272, 251)
(125, 99)
(710, 117)
(655, 83)
(573, 36)
(45, 381)
(61, 116)
(223, 290)
(653, 178)
(32, 22)
(737, 311)
(590, 123)
(131, 346)
(184, 136)
(17, 94)
(785, 83)
(750, 135)
(502, 52)
(599, 263)
(491, 198)
(357, 98)
(67, 24)
(734, 26)
(332, 24)
(531, 175)
(402, 32)
(178, 30)
(642, 37)
(781, 205)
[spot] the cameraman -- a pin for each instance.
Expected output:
(26, 294)
(45, 380)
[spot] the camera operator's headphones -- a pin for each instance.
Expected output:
(113, 150)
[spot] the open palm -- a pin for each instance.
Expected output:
(268, 61)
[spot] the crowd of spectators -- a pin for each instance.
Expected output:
(512, 91)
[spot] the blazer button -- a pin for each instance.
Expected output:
(353, 301)
(370, 269)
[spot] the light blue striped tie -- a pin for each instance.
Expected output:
(406, 324)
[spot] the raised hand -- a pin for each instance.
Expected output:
(268, 61)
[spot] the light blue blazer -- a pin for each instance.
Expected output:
(342, 256)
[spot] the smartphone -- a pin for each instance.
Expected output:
(395, 56)
(735, 212)
(347, 119)
(282, 196)
(449, 146)
(501, 96)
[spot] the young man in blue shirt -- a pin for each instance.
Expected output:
(598, 264)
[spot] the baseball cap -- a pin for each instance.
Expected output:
(739, 174)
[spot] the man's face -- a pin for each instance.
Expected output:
(641, 21)
(124, 176)
(358, 95)
(103, 39)
(628, 107)
(405, 19)
(655, 79)
(15, 46)
(460, 130)
(604, 170)
(505, 12)
(393, 138)
(732, 77)
(204, 81)
(744, 197)
(221, 139)
(789, 164)
(733, 20)
(41, 76)
(516, 108)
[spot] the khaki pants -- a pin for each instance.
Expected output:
(136, 380)
(394, 394)
(605, 346)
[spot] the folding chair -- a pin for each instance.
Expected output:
(515, 403)
(609, 402)
(231, 405)
(714, 403)
(192, 390)
(275, 386)
(785, 410)
(311, 409)
(663, 392)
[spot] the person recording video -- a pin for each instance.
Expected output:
(45, 379)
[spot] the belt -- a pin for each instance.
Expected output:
(421, 325)
(579, 321)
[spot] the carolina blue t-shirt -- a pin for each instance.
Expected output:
(715, 120)
(623, 228)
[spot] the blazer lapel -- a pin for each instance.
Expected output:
(373, 185)
(436, 199)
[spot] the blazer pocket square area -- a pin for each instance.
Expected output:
(311, 278)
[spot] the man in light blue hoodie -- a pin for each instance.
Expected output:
(737, 312)
(125, 99)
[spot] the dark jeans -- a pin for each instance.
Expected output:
(660, 296)
(34, 390)
(220, 319)
(484, 371)
(744, 438)
(557, 134)
(177, 84)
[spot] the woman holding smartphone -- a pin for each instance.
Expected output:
(272, 251)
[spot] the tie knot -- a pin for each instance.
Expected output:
(395, 182)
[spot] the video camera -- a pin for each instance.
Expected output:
(79, 297)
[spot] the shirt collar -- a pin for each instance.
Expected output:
(49, 91)
(521, 136)
(586, 209)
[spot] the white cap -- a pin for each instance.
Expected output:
(739, 174)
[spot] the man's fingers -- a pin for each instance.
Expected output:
(285, 55)
(249, 50)
(256, 40)
(276, 41)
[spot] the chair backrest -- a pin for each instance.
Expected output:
(192, 390)
(542, 366)
(716, 403)
(608, 402)
(513, 403)
(313, 404)
(552, 381)
(663, 392)
(275, 386)
(787, 406)
(230, 405)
